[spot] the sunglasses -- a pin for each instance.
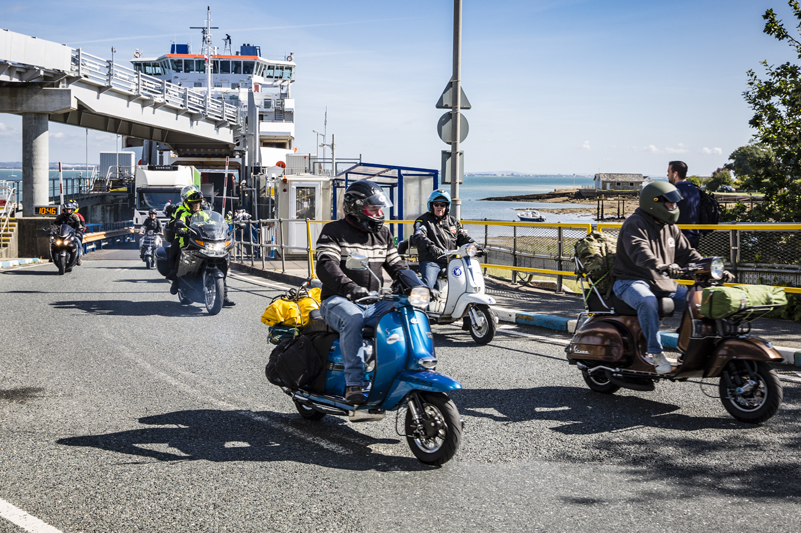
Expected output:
(439, 204)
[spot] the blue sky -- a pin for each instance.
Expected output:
(557, 86)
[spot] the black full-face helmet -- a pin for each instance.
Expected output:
(152, 212)
(360, 196)
(653, 198)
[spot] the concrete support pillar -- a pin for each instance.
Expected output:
(35, 161)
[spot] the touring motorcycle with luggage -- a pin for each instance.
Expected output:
(148, 245)
(400, 367)
(203, 263)
(64, 247)
(461, 294)
(609, 347)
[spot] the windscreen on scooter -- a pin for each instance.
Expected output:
(209, 225)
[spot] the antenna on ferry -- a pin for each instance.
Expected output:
(206, 31)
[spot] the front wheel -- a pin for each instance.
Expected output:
(436, 438)
(750, 391)
(307, 412)
(214, 290)
(482, 324)
(149, 261)
(61, 264)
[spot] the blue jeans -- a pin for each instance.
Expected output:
(637, 294)
(348, 319)
(429, 270)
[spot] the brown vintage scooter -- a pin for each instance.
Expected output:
(609, 348)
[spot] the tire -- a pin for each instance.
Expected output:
(598, 382)
(61, 264)
(486, 332)
(183, 298)
(307, 412)
(214, 291)
(760, 403)
(439, 415)
(149, 261)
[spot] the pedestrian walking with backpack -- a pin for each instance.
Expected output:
(689, 206)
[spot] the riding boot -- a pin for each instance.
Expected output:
(174, 287)
(226, 301)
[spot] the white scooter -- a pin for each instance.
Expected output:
(461, 294)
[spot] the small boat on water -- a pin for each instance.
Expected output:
(531, 215)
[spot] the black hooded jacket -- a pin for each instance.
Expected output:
(433, 236)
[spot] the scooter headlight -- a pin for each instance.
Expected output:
(716, 268)
(419, 297)
(471, 249)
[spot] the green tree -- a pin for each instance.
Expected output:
(748, 162)
(721, 177)
(695, 180)
(776, 105)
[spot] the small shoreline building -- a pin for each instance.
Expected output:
(619, 182)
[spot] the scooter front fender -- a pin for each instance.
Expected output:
(408, 381)
(215, 272)
(466, 299)
(748, 348)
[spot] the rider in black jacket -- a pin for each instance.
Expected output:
(435, 233)
(362, 232)
(151, 223)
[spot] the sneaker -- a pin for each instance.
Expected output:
(79, 262)
(174, 287)
(661, 364)
(354, 395)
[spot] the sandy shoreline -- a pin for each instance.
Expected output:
(610, 208)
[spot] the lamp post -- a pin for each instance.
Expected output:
(317, 142)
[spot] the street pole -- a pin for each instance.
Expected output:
(456, 202)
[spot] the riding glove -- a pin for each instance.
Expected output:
(358, 292)
(672, 270)
(728, 277)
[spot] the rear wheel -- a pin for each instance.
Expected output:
(214, 291)
(437, 438)
(307, 412)
(599, 382)
(752, 393)
(482, 329)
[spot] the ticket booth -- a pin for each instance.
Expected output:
(299, 197)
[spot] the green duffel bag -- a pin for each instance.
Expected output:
(720, 302)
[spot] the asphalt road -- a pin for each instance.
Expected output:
(121, 410)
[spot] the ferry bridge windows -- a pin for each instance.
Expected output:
(260, 69)
(270, 71)
(236, 67)
(287, 73)
(279, 72)
(225, 66)
(177, 65)
(247, 67)
(215, 66)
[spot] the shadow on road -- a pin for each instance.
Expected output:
(220, 436)
(169, 307)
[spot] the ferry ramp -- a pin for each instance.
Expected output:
(45, 81)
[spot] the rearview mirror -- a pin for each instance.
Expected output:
(356, 262)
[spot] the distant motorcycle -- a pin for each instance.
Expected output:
(64, 245)
(203, 264)
(148, 245)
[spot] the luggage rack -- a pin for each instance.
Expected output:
(740, 322)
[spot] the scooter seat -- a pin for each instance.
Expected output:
(666, 306)
(316, 323)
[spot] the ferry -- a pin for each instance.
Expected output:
(231, 76)
(531, 215)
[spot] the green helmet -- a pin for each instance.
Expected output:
(653, 198)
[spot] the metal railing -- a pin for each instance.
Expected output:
(110, 75)
(8, 194)
(767, 254)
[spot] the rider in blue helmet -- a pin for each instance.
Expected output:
(436, 232)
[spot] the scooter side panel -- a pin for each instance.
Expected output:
(596, 341)
(749, 348)
(391, 349)
(335, 371)
(408, 381)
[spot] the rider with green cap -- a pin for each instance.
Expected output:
(651, 250)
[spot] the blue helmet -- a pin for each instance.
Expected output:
(443, 196)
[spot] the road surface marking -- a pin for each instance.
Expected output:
(537, 337)
(249, 280)
(20, 518)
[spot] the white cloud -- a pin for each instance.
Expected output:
(5, 131)
(58, 135)
(680, 149)
(651, 149)
(586, 146)
(711, 151)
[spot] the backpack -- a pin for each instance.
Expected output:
(299, 362)
(596, 253)
(708, 211)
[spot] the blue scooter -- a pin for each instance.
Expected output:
(400, 368)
